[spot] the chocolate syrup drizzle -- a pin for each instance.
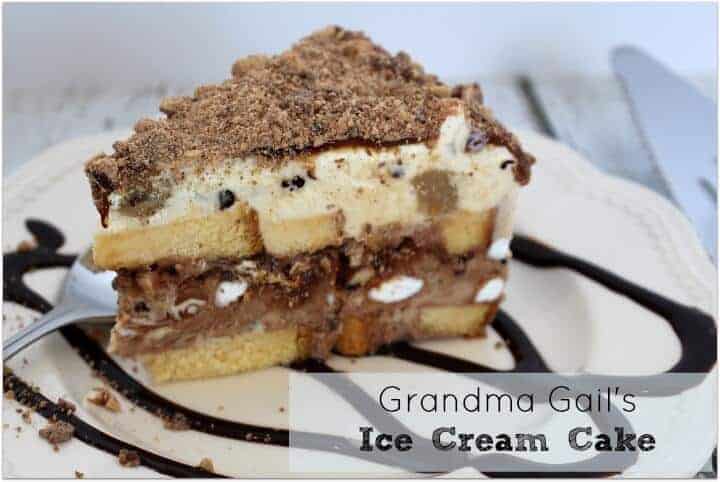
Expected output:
(695, 330)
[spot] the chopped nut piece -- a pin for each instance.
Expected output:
(68, 407)
(26, 245)
(361, 277)
(245, 65)
(128, 458)
(440, 90)
(121, 147)
(205, 90)
(27, 416)
(57, 432)
(103, 398)
(144, 125)
(177, 422)
(171, 105)
(468, 92)
(207, 464)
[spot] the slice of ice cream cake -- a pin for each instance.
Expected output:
(332, 197)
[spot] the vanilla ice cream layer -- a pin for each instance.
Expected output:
(375, 186)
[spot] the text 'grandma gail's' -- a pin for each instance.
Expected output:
(561, 398)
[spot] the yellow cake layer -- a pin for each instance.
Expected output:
(227, 233)
(228, 355)
(466, 320)
(236, 233)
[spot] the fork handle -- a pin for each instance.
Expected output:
(61, 315)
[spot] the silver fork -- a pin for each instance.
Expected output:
(87, 295)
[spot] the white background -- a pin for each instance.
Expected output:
(122, 45)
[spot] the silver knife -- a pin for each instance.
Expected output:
(679, 126)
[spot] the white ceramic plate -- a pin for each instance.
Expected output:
(574, 323)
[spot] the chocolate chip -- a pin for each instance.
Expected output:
(226, 198)
(141, 306)
(476, 141)
(506, 163)
(298, 182)
(293, 184)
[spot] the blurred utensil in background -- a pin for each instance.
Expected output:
(679, 126)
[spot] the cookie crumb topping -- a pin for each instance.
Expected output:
(66, 406)
(177, 422)
(207, 464)
(128, 458)
(102, 397)
(332, 87)
(57, 432)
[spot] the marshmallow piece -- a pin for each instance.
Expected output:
(490, 291)
(229, 292)
(396, 289)
(499, 249)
